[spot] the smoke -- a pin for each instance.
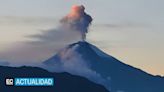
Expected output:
(77, 20)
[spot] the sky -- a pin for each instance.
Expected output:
(130, 30)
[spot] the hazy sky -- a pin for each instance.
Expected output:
(130, 30)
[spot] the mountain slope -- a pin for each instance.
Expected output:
(119, 76)
(64, 82)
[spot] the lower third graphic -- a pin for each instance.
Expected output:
(30, 81)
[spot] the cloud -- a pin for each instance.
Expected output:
(123, 24)
(22, 20)
(4, 63)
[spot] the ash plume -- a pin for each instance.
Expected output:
(72, 28)
(77, 20)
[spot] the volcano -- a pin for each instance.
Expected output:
(85, 59)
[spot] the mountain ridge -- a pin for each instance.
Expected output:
(119, 76)
(64, 82)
